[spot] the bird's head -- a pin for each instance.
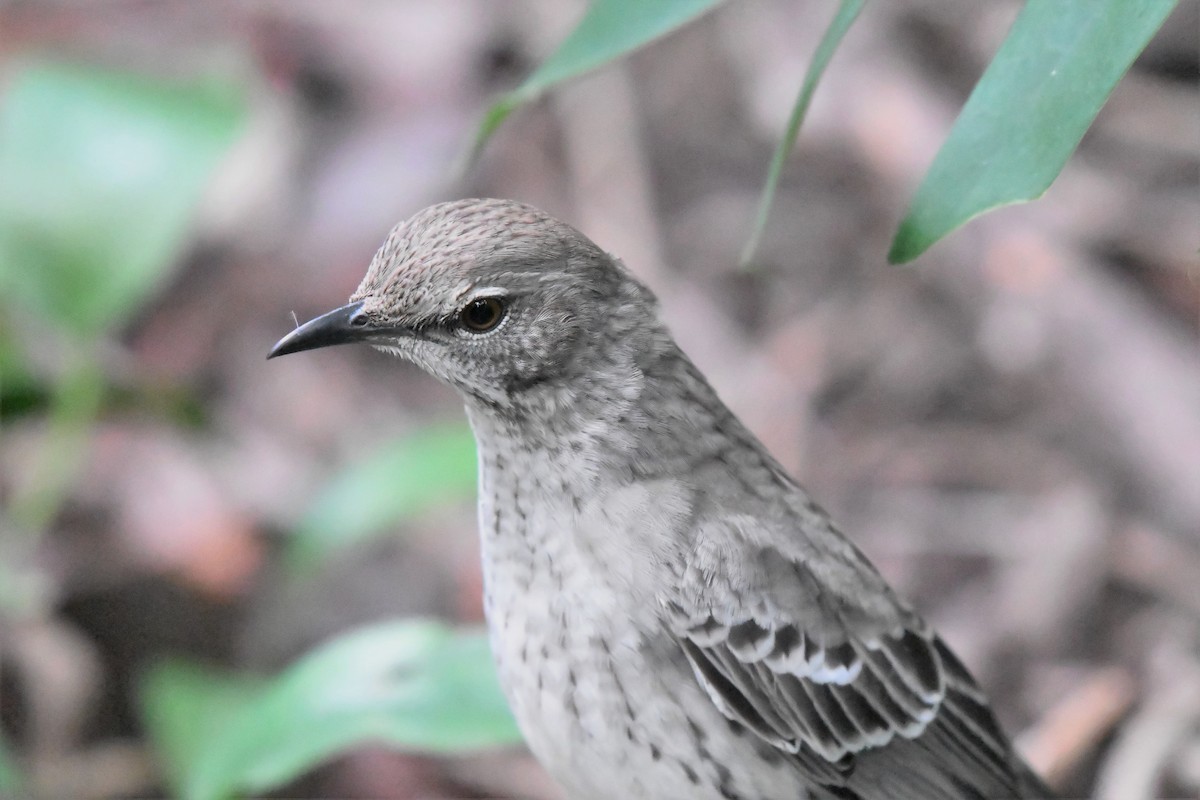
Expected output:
(493, 297)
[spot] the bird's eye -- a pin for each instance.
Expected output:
(482, 315)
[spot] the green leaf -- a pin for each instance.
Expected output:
(400, 481)
(415, 685)
(10, 777)
(75, 403)
(20, 388)
(609, 30)
(99, 174)
(848, 11)
(1028, 112)
(186, 708)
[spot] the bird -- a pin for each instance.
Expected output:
(671, 615)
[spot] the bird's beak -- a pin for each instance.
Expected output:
(340, 326)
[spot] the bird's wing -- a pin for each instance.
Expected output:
(810, 650)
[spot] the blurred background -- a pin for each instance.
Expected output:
(1010, 428)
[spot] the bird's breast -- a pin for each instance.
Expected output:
(598, 687)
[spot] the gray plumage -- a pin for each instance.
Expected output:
(671, 615)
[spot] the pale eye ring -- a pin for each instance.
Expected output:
(482, 314)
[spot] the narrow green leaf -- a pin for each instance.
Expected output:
(415, 685)
(848, 11)
(492, 119)
(400, 481)
(99, 175)
(1053, 73)
(609, 30)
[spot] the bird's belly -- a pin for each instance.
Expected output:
(606, 702)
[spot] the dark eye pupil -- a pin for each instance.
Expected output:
(483, 314)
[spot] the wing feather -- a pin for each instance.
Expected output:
(846, 689)
(837, 700)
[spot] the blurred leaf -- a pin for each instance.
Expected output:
(848, 11)
(99, 175)
(74, 404)
(1053, 73)
(609, 30)
(399, 481)
(186, 708)
(10, 777)
(416, 685)
(20, 390)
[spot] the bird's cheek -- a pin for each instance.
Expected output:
(557, 349)
(427, 356)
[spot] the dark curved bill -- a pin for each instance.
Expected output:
(334, 327)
